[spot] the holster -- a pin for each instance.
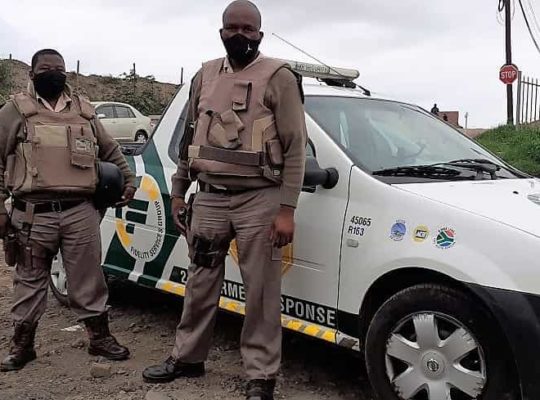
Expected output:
(189, 210)
(11, 247)
(209, 253)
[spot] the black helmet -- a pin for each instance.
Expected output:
(110, 185)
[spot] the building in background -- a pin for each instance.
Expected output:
(452, 117)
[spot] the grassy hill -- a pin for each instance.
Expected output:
(518, 146)
(144, 93)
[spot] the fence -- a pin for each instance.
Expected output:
(527, 108)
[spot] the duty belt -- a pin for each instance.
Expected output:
(47, 206)
(207, 188)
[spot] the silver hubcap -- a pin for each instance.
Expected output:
(140, 138)
(58, 275)
(437, 355)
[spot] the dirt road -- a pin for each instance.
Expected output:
(145, 321)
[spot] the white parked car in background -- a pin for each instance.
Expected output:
(123, 122)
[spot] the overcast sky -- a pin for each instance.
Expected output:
(421, 51)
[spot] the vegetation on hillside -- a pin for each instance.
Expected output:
(5, 83)
(145, 98)
(142, 92)
(519, 147)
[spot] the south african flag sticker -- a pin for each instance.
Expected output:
(445, 239)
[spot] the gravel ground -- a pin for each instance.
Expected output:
(145, 321)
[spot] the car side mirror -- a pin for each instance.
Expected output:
(317, 176)
(101, 116)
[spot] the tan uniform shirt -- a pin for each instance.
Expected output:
(284, 99)
(11, 128)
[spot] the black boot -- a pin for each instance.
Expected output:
(172, 369)
(260, 389)
(102, 343)
(21, 350)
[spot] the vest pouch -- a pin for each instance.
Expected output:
(21, 175)
(274, 152)
(223, 131)
(9, 173)
(241, 94)
(82, 148)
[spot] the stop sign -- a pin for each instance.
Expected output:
(508, 74)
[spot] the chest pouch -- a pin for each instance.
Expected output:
(241, 95)
(82, 147)
(224, 129)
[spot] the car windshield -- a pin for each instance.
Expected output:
(380, 135)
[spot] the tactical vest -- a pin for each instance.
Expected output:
(58, 152)
(235, 133)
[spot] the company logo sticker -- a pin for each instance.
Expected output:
(139, 240)
(420, 234)
(398, 231)
(446, 238)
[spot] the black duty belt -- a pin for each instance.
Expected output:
(47, 206)
(207, 188)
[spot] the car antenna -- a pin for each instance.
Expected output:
(367, 92)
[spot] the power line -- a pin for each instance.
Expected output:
(528, 25)
(534, 19)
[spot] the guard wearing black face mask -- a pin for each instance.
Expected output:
(50, 143)
(247, 152)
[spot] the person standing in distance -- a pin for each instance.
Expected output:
(50, 142)
(245, 144)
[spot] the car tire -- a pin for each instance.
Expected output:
(400, 356)
(141, 137)
(58, 281)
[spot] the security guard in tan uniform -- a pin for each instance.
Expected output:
(247, 151)
(50, 142)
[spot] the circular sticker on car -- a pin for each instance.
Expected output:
(398, 231)
(446, 238)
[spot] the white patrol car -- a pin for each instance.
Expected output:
(414, 245)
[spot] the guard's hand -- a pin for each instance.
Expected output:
(127, 196)
(283, 227)
(4, 225)
(178, 204)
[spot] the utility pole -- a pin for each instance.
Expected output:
(77, 76)
(134, 78)
(509, 88)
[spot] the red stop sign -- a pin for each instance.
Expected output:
(508, 74)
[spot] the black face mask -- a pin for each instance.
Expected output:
(241, 49)
(50, 84)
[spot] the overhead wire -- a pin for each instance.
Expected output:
(534, 19)
(531, 33)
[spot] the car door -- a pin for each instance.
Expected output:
(126, 121)
(311, 265)
(106, 115)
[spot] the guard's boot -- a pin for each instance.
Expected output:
(21, 350)
(171, 369)
(102, 343)
(260, 389)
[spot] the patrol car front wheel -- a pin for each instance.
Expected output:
(431, 342)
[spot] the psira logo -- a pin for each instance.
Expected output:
(287, 256)
(132, 222)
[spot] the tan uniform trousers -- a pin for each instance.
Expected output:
(248, 218)
(76, 233)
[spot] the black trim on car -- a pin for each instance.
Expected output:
(519, 316)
